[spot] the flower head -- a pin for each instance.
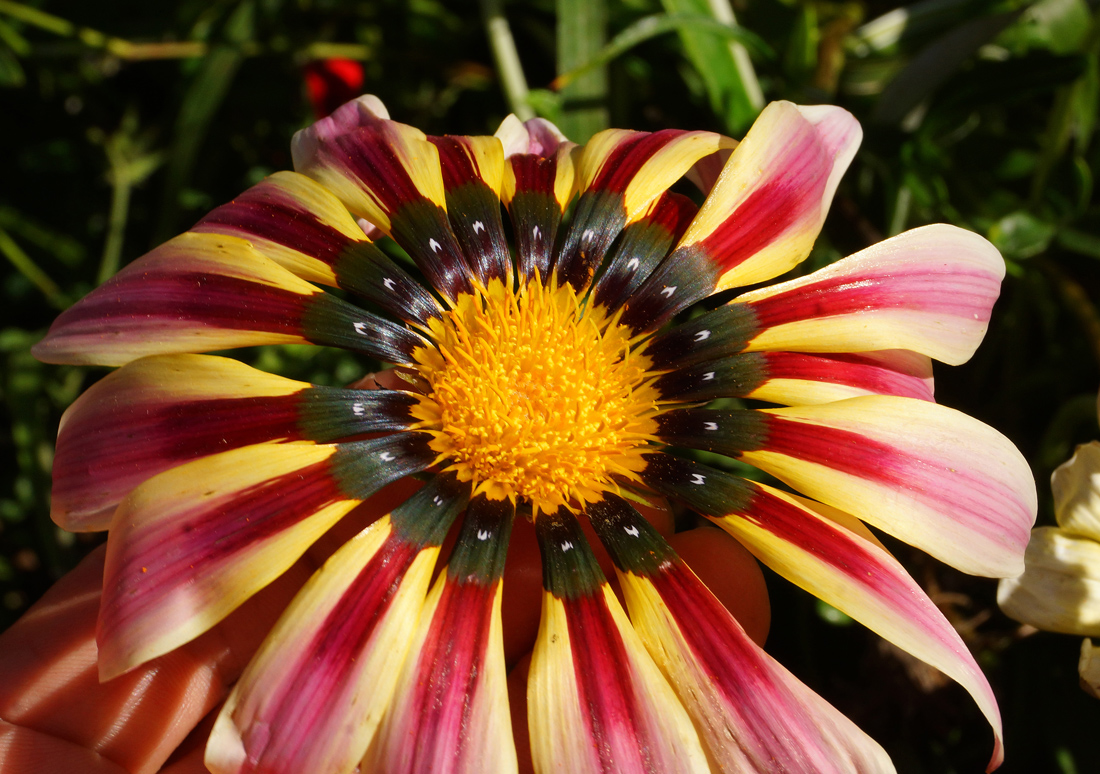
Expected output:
(1059, 590)
(547, 374)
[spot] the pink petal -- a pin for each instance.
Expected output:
(929, 290)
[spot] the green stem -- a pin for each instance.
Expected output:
(25, 266)
(582, 32)
(723, 12)
(116, 225)
(507, 58)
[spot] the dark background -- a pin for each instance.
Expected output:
(122, 123)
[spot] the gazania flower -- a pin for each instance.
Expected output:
(1059, 590)
(549, 375)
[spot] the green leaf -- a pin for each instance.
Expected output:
(723, 65)
(659, 24)
(1079, 242)
(934, 65)
(204, 96)
(11, 72)
(582, 29)
(1021, 235)
(1059, 26)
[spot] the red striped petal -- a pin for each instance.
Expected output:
(243, 517)
(930, 290)
(450, 711)
(312, 698)
(596, 701)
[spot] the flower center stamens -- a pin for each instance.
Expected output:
(534, 397)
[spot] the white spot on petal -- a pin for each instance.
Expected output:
(436, 247)
(710, 425)
(668, 291)
(535, 233)
(708, 376)
(386, 457)
(631, 530)
(360, 328)
(478, 228)
(437, 500)
(633, 264)
(357, 409)
(566, 546)
(483, 534)
(389, 283)
(698, 478)
(664, 565)
(702, 335)
(586, 237)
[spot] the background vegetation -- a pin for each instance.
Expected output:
(125, 121)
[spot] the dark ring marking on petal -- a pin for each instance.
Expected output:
(597, 220)
(482, 545)
(721, 432)
(426, 517)
(686, 276)
(569, 568)
(719, 333)
(631, 541)
(328, 414)
(535, 213)
(708, 490)
(423, 231)
(363, 467)
(330, 321)
(644, 244)
(730, 377)
(365, 270)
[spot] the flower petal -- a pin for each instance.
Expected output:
(929, 475)
(596, 701)
(753, 715)
(203, 292)
(536, 189)
(930, 290)
(301, 226)
(643, 245)
(388, 173)
(312, 697)
(244, 516)
(1059, 590)
(1076, 487)
(793, 378)
(1088, 668)
(620, 173)
(473, 171)
(450, 711)
(834, 561)
(762, 216)
(158, 412)
(764, 213)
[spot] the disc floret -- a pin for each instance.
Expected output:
(534, 396)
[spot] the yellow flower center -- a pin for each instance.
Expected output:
(535, 397)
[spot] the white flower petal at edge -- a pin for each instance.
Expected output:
(1076, 487)
(1060, 589)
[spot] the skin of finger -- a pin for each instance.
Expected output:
(26, 751)
(49, 681)
(51, 684)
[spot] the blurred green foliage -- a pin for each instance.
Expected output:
(126, 121)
